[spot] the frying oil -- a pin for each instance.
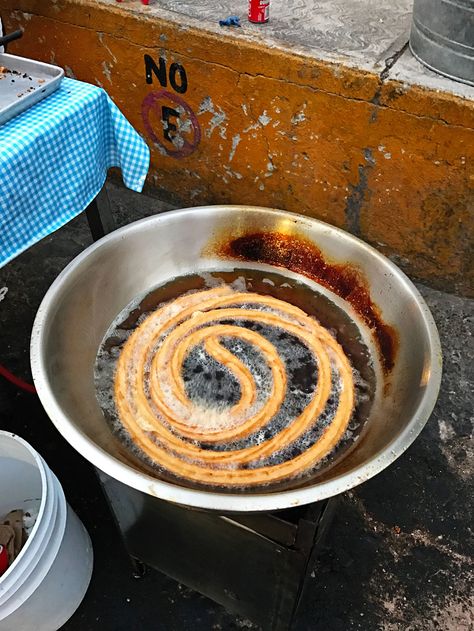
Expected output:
(211, 385)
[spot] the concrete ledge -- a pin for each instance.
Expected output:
(322, 112)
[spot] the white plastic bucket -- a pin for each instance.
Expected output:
(48, 580)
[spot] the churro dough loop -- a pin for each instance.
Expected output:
(198, 442)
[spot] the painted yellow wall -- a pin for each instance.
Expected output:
(247, 124)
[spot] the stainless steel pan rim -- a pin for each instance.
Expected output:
(211, 500)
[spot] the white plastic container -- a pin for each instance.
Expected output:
(48, 580)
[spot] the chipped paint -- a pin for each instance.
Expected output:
(232, 174)
(299, 117)
(218, 117)
(235, 142)
(106, 70)
(264, 119)
(251, 127)
(104, 44)
(270, 168)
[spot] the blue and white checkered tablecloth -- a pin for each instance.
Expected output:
(54, 159)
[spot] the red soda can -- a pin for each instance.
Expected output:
(3, 559)
(259, 11)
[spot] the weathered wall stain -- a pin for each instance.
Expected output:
(257, 125)
(358, 193)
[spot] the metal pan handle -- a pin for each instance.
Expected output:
(6, 39)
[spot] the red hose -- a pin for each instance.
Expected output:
(16, 381)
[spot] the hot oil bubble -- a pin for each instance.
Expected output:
(210, 280)
(208, 382)
(253, 360)
(239, 284)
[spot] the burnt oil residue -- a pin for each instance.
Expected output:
(303, 257)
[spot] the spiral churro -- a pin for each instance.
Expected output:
(208, 444)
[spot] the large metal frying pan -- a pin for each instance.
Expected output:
(98, 284)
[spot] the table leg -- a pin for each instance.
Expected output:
(99, 216)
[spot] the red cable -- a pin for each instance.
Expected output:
(16, 381)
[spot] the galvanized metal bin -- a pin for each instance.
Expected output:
(442, 37)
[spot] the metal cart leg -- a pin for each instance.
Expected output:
(99, 216)
(138, 568)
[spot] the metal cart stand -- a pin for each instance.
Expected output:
(255, 565)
